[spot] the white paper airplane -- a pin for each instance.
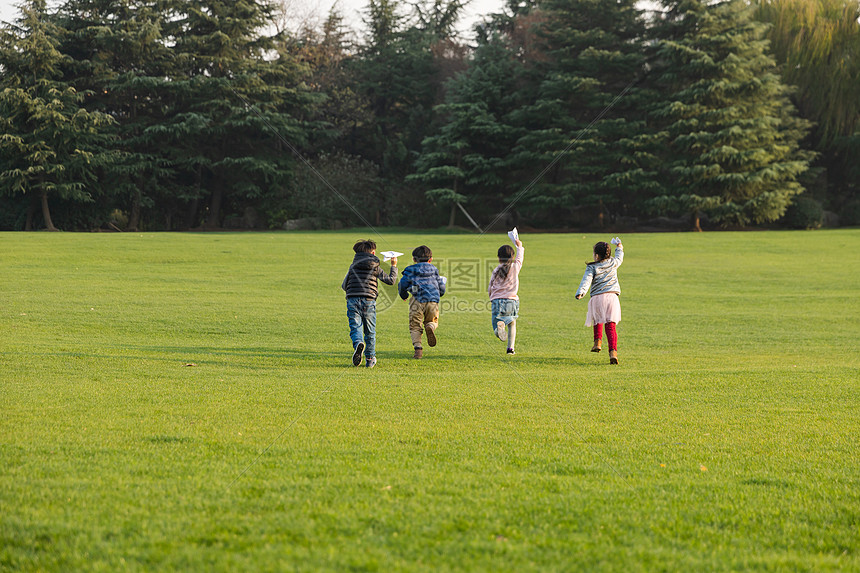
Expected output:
(390, 255)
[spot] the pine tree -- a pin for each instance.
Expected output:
(120, 56)
(49, 142)
(402, 69)
(235, 115)
(730, 134)
(584, 155)
(394, 69)
(342, 109)
(463, 160)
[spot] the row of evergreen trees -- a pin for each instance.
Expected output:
(176, 114)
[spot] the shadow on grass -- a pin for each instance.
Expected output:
(271, 357)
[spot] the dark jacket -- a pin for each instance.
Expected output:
(423, 281)
(360, 279)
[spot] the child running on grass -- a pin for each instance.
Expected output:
(422, 280)
(503, 287)
(362, 289)
(603, 306)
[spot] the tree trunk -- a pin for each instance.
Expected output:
(31, 211)
(134, 216)
(46, 213)
(191, 214)
(215, 205)
(451, 218)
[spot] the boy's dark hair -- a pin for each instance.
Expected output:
(364, 246)
(422, 254)
(506, 259)
(602, 250)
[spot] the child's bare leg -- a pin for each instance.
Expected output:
(500, 331)
(512, 334)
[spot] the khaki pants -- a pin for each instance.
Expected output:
(424, 314)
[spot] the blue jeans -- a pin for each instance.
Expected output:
(505, 309)
(362, 323)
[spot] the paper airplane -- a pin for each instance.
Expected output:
(514, 235)
(616, 241)
(390, 255)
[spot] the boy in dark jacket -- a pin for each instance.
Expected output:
(423, 281)
(361, 291)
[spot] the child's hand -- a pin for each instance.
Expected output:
(579, 296)
(394, 261)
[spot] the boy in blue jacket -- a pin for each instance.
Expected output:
(422, 280)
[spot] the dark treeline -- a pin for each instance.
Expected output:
(183, 114)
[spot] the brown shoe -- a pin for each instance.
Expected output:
(596, 347)
(419, 352)
(613, 357)
(431, 336)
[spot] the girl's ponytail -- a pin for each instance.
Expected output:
(602, 250)
(506, 259)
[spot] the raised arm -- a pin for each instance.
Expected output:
(518, 261)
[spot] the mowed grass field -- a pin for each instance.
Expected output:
(187, 402)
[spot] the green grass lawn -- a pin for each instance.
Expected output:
(187, 402)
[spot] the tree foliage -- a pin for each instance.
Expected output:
(817, 43)
(463, 160)
(176, 114)
(48, 140)
(729, 132)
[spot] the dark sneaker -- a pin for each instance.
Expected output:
(371, 362)
(431, 336)
(419, 352)
(511, 351)
(356, 356)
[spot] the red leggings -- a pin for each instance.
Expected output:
(611, 334)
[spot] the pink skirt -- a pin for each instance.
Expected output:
(603, 308)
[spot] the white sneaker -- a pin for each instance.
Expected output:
(501, 331)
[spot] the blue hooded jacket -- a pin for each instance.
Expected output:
(423, 281)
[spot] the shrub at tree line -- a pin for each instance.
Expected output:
(169, 114)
